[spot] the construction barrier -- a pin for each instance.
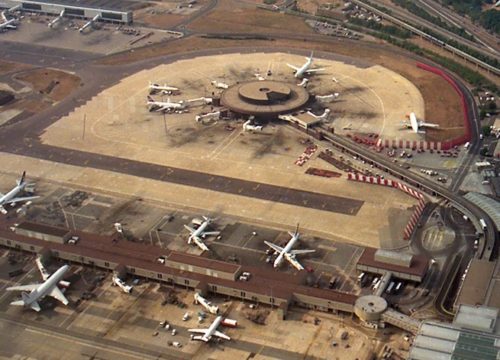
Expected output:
(414, 219)
(465, 108)
(409, 144)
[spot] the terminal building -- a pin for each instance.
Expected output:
(105, 10)
(402, 266)
(474, 334)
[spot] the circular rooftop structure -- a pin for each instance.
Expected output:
(264, 98)
(370, 307)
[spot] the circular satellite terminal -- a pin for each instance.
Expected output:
(370, 307)
(264, 98)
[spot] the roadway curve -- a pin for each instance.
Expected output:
(421, 183)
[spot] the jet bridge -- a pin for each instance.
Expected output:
(90, 22)
(57, 19)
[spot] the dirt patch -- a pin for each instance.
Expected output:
(440, 51)
(7, 67)
(164, 21)
(53, 83)
(229, 16)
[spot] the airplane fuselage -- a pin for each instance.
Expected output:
(285, 250)
(12, 194)
(303, 69)
(201, 229)
(212, 329)
(47, 286)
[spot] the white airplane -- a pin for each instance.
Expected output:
(164, 89)
(210, 332)
(168, 105)
(304, 69)
(198, 234)
(45, 274)
(39, 291)
(11, 196)
(198, 299)
(416, 124)
(287, 251)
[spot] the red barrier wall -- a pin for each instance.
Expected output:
(446, 145)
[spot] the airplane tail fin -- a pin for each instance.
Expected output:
(21, 180)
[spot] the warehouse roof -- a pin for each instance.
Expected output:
(475, 286)
(418, 266)
(195, 260)
(447, 341)
(42, 228)
(115, 5)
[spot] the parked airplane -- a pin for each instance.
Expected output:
(304, 69)
(209, 332)
(198, 299)
(416, 124)
(168, 105)
(45, 274)
(11, 196)
(198, 234)
(164, 89)
(287, 251)
(39, 291)
(8, 24)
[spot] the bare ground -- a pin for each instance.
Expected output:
(8, 67)
(53, 83)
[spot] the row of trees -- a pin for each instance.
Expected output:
(420, 12)
(489, 19)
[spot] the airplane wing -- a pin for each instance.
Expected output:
(291, 259)
(314, 70)
(429, 125)
(221, 335)
(293, 67)
(198, 331)
(34, 305)
(190, 229)
(298, 252)
(57, 294)
(23, 287)
(200, 243)
(1, 194)
(205, 233)
(19, 199)
(273, 246)
(163, 108)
